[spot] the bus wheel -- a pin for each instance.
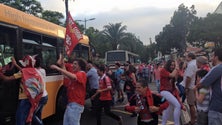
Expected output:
(61, 102)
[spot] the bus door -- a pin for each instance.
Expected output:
(8, 89)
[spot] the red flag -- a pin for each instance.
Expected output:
(73, 35)
(33, 86)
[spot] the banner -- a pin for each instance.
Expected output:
(73, 35)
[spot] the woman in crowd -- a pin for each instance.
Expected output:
(130, 81)
(37, 117)
(169, 91)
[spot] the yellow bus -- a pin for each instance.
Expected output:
(22, 34)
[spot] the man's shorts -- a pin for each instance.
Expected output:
(191, 98)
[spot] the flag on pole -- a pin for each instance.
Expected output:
(73, 35)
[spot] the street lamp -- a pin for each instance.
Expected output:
(85, 20)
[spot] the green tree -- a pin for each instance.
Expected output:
(181, 21)
(97, 40)
(128, 43)
(206, 29)
(114, 33)
(101, 44)
(53, 16)
(133, 44)
(29, 6)
(165, 39)
(174, 35)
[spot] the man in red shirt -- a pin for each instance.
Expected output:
(148, 105)
(76, 91)
(105, 97)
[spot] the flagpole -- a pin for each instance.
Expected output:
(66, 21)
(67, 9)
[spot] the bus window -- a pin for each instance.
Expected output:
(118, 56)
(30, 44)
(60, 48)
(81, 51)
(6, 52)
(32, 36)
(7, 42)
(85, 52)
(121, 56)
(49, 55)
(30, 47)
(48, 58)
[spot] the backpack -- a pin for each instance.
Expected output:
(128, 86)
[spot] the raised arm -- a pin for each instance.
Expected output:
(15, 63)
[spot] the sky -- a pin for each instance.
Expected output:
(144, 18)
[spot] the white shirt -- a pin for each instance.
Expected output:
(190, 72)
(42, 73)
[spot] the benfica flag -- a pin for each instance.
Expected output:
(33, 85)
(73, 35)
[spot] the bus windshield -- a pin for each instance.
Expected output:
(120, 56)
(116, 56)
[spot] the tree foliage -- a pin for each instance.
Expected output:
(29, 6)
(206, 29)
(53, 16)
(174, 35)
(98, 41)
(34, 7)
(114, 33)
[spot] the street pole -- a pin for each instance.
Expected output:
(85, 26)
(86, 20)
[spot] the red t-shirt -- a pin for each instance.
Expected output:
(77, 89)
(104, 82)
(66, 80)
(165, 81)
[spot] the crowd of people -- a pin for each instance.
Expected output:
(191, 79)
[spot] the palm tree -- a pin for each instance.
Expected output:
(114, 33)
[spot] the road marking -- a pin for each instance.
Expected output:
(168, 122)
(119, 106)
(128, 113)
(121, 111)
